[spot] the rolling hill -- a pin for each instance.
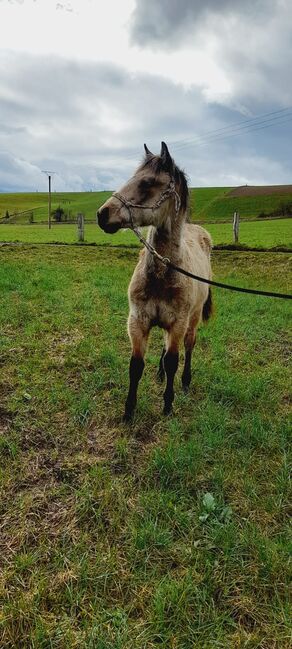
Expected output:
(206, 203)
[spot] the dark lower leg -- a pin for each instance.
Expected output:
(161, 370)
(135, 372)
(170, 365)
(187, 371)
(190, 340)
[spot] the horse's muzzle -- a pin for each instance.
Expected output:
(103, 216)
(103, 221)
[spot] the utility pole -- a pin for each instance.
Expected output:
(49, 174)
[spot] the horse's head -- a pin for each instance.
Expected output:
(155, 194)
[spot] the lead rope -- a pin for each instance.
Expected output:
(164, 260)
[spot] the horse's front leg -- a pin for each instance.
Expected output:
(138, 333)
(170, 362)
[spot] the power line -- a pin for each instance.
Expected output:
(246, 126)
(257, 127)
(252, 120)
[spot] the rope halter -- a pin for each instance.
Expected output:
(169, 191)
(129, 205)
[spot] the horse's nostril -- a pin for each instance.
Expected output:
(103, 215)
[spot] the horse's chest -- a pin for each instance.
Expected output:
(162, 291)
(160, 303)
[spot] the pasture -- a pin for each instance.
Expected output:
(258, 234)
(20, 205)
(206, 203)
(250, 205)
(169, 532)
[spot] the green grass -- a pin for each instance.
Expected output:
(21, 204)
(222, 208)
(171, 532)
(207, 204)
(257, 234)
(202, 198)
(61, 233)
(265, 234)
(85, 202)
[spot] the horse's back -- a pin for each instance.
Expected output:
(195, 236)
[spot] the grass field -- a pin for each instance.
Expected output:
(255, 234)
(85, 202)
(206, 203)
(171, 532)
(247, 206)
(74, 202)
(202, 198)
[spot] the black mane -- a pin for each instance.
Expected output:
(157, 164)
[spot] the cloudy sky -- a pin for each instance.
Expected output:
(83, 83)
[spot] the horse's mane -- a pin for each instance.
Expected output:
(157, 164)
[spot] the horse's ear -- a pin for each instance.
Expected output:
(166, 158)
(147, 150)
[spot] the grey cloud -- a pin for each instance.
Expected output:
(11, 130)
(251, 43)
(85, 119)
(88, 122)
(50, 95)
(258, 62)
(11, 168)
(170, 23)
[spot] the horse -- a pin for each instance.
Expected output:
(157, 196)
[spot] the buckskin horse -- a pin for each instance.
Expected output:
(157, 196)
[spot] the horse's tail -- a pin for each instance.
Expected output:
(208, 307)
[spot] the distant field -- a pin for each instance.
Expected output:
(260, 190)
(206, 203)
(249, 207)
(20, 204)
(202, 198)
(255, 234)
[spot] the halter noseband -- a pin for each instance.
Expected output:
(169, 191)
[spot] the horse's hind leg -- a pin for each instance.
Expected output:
(161, 370)
(170, 362)
(189, 343)
(139, 336)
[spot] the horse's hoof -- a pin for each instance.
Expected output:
(127, 418)
(167, 410)
(160, 376)
(186, 388)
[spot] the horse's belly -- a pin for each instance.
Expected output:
(160, 314)
(166, 315)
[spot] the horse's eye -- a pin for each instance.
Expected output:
(146, 183)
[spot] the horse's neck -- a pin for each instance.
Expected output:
(167, 241)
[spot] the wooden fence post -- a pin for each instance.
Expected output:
(80, 227)
(235, 227)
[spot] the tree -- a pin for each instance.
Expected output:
(58, 214)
